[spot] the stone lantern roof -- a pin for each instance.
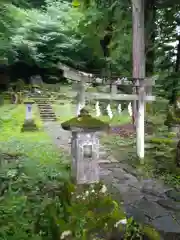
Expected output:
(85, 122)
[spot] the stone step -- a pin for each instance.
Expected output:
(44, 104)
(47, 115)
(40, 100)
(46, 111)
(49, 120)
(45, 107)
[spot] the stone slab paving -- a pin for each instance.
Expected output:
(147, 200)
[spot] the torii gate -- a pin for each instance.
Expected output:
(139, 97)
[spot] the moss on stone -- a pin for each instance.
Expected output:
(29, 126)
(85, 121)
(151, 233)
(161, 141)
(171, 135)
(36, 86)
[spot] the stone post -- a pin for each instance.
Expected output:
(28, 112)
(29, 124)
(85, 154)
(114, 88)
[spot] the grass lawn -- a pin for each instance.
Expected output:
(67, 110)
(34, 145)
(32, 170)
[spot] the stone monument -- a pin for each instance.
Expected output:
(85, 147)
(29, 124)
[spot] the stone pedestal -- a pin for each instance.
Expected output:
(85, 147)
(29, 124)
(85, 154)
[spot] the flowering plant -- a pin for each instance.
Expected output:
(93, 214)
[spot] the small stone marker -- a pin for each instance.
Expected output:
(36, 80)
(29, 124)
(119, 109)
(85, 147)
(98, 111)
(109, 111)
(114, 89)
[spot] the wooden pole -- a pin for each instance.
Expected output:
(139, 70)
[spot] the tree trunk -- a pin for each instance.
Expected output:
(175, 79)
(178, 154)
(150, 34)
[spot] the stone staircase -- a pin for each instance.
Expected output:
(46, 112)
(6, 96)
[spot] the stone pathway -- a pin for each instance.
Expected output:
(147, 200)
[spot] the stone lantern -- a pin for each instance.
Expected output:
(29, 124)
(85, 147)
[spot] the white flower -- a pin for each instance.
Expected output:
(93, 191)
(12, 173)
(65, 234)
(92, 186)
(78, 197)
(103, 189)
(122, 221)
(86, 193)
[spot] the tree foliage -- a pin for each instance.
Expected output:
(88, 34)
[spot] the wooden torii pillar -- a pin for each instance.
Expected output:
(139, 70)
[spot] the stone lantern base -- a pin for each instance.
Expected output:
(29, 125)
